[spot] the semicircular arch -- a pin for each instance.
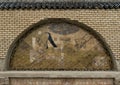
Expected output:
(66, 29)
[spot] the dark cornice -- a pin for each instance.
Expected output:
(59, 5)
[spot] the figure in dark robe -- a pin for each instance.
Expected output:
(42, 41)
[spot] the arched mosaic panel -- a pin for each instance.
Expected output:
(59, 46)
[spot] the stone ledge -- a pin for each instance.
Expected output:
(61, 74)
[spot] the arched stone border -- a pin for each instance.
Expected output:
(59, 20)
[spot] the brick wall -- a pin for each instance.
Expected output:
(106, 22)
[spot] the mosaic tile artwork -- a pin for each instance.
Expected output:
(59, 46)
